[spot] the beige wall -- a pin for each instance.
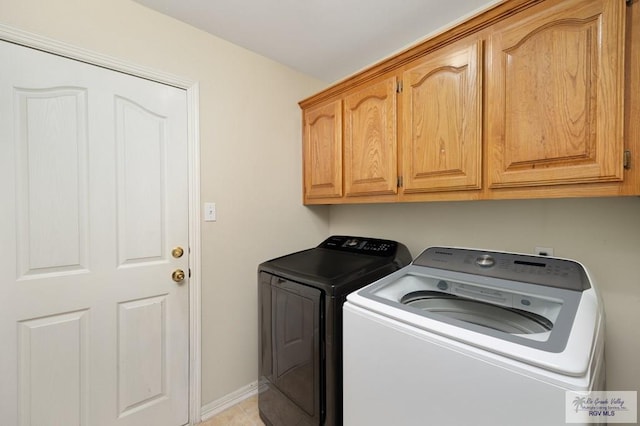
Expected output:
(250, 151)
(603, 234)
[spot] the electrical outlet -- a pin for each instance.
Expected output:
(544, 251)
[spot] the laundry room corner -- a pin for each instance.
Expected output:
(601, 233)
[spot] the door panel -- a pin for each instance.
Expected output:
(556, 88)
(51, 180)
(296, 343)
(323, 151)
(53, 369)
(442, 143)
(93, 168)
(141, 145)
(370, 141)
(142, 378)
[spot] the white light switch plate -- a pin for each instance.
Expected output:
(209, 212)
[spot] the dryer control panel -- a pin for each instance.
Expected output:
(369, 246)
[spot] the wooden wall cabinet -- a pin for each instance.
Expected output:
(370, 142)
(441, 122)
(529, 99)
(442, 113)
(350, 146)
(555, 95)
(322, 152)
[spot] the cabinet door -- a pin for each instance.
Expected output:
(442, 127)
(323, 151)
(370, 147)
(555, 95)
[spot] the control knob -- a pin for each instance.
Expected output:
(485, 261)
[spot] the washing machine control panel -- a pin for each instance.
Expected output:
(361, 245)
(554, 272)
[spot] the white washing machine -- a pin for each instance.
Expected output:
(471, 337)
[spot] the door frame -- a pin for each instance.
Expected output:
(31, 40)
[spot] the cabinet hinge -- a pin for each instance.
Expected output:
(399, 182)
(189, 272)
(626, 160)
(399, 87)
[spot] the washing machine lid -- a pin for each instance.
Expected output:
(530, 315)
(547, 322)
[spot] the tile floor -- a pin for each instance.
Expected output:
(244, 413)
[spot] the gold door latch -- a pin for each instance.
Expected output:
(178, 275)
(177, 252)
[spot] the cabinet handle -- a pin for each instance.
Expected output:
(626, 161)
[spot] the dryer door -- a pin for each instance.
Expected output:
(290, 352)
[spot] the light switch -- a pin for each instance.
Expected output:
(209, 212)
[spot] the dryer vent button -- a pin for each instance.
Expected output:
(526, 302)
(442, 285)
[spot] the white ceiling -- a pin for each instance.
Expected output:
(328, 39)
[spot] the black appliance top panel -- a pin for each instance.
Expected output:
(339, 261)
(548, 271)
(361, 245)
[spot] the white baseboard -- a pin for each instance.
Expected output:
(219, 405)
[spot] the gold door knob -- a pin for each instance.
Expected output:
(178, 275)
(177, 252)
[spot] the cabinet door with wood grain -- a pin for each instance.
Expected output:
(555, 95)
(370, 141)
(442, 127)
(322, 152)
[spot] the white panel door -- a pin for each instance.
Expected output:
(93, 183)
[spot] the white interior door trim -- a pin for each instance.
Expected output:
(49, 45)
